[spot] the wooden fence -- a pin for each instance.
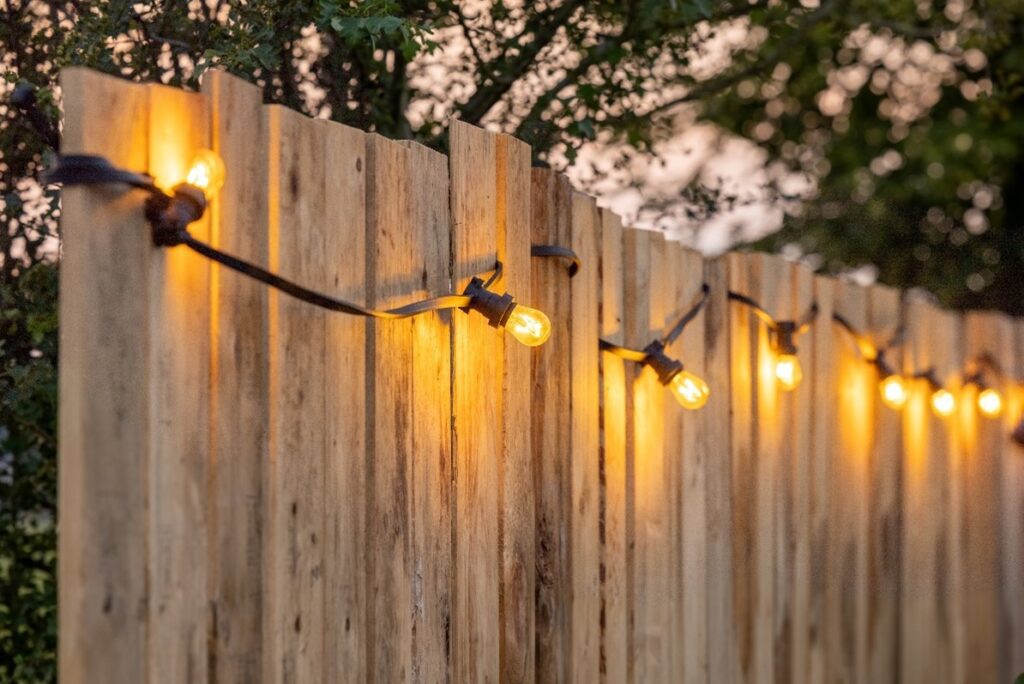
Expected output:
(252, 489)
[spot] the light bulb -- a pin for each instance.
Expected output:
(943, 403)
(689, 390)
(894, 392)
(788, 371)
(529, 326)
(206, 172)
(990, 403)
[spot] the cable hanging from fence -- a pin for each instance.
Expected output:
(689, 389)
(170, 215)
(783, 339)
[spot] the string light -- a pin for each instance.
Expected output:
(943, 402)
(989, 400)
(894, 392)
(169, 216)
(206, 172)
(783, 340)
(892, 387)
(688, 389)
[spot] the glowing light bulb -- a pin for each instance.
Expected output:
(788, 371)
(990, 403)
(894, 392)
(529, 326)
(943, 403)
(206, 172)
(689, 390)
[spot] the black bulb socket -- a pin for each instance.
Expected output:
(494, 307)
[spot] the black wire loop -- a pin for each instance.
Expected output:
(558, 251)
(169, 216)
(641, 355)
(799, 327)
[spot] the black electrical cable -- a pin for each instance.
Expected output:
(560, 252)
(667, 339)
(95, 170)
(799, 327)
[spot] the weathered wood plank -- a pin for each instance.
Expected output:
(849, 476)
(925, 596)
(716, 445)
(1011, 531)
(691, 463)
(179, 419)
(345, 412)
(477, 372)
(614, 549)
(294, 619)
(984, 446)
(584, 534)
(644, 318)
(430, 419)
(393, 278)
(550, 427)
(518, 586)
(104, 408)
(239, 392)
(885, 316)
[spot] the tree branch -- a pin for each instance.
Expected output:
(487, 96)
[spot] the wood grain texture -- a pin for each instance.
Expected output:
(690, 464)
(477, 371)
(584, 534)
(180, 400)
(104, 406)
(614, 491)
(984, 446)
(650, 640)
(926, 597)
(294, 626)
(345, 411)
(1011, 531)
(885, 316)
(849, 458)
(755, 463)
(431, 420)
(716, 445)
(518, 556)
(393, 278)
(551, 429)
(239, 407)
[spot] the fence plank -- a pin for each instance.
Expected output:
(984, 446)
(104, 397)
(178, 605)
(1011, 530)
(925, 590)
(716, 445)
(651, 559)
(584, 535)
(849, 476)
(295, 488)
(345, 410)
(614, 598)
(885, 316)
(691, 463)
(551, 429)
(431, 420)
(239, 391)
(517, 497)
(477, 403)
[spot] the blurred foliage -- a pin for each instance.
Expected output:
(903, 119)
(28, 476)
(924, 181)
